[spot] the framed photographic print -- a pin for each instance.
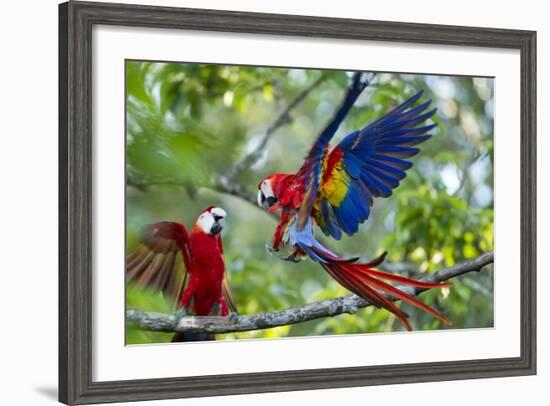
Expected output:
(286, 187)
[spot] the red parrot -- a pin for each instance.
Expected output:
(197, 280)
(335, 189)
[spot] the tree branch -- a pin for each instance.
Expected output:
(283, 119)
(229, 187)
(326, 308)
(226, 183)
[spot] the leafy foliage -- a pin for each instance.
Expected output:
(188, 123)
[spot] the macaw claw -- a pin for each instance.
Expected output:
(234, 317)
(180, 314)
(270, 250)
(292, 258)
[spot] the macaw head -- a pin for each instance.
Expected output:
(209, 220)
(269, 190)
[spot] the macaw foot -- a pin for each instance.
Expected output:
(294, 257)
(270, 250)
(234, 317)
(180, 314)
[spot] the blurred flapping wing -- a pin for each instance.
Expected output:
(161, 260)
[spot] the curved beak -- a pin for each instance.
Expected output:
(261, 199)
(266, 202)
(271, 201)
(218, 215)
(216, 228)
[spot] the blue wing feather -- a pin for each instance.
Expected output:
(328, 224)
(374, 158)
(387, 169)
(311, 170)
(394, 162)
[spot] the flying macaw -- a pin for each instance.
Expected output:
(335, 189)
(188, 267)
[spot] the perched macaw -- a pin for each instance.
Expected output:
(188, 267)
(335, 189)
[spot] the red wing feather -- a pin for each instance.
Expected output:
(157, 262)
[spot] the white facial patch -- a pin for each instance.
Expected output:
(266, 189)
(260, 194)
(217, 211)
(206, 221)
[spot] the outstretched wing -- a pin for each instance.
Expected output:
(161, 259)
(312, 166)
(369, 163)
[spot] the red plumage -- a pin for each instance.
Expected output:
(368, 282)
(197, 281)
(363, 279)
(335, 189)
(334, 158)
(206, 273)
(289, 191)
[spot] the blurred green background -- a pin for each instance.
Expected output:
(188, 123)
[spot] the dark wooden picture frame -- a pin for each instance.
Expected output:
(76, 20)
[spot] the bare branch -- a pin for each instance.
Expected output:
(463, 176)
(283, 119)
(325, 308)
(405, 268)
(229, 187)
(143, 182)
(478, 287)
(226, 182)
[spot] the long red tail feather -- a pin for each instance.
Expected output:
(401, 279)
(392, 307)
(359, 287)
(407, 298)
(364, 280)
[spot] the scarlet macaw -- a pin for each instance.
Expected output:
(336, 189)
(198, 284)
